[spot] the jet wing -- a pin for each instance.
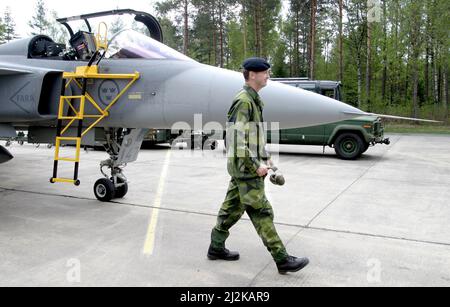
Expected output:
(6, 131)
(9, 71)
(5, 155)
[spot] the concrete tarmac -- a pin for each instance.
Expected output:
(378, 221)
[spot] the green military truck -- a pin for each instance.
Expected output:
(350, 138)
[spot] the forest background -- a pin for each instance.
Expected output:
(392, 56)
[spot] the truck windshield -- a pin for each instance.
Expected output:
(130, 44)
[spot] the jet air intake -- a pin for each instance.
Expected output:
(30, 95)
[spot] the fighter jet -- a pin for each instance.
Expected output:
(111, 90)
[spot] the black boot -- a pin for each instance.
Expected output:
(292, 264)
(222, 254)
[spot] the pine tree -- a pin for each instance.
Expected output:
(56, 31)
(39, 23)
(9, 26)
(116, 26)
(415, 23)
(341, 41)
(259, 21)
(2, 32)
(312, 39)
(357, 40)
(180, 7)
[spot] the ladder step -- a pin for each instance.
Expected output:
(72, 97)
(68, 159)
(70, 117)
(65, 180)
(64, 138)
(77, 149)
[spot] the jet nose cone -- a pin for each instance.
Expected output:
(288, 106)
(5, 156)
(295, 108)
(210, 91)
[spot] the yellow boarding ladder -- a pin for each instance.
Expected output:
(80, 78)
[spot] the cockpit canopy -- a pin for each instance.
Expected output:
(130, 44)
(84, 45)
(126, 44)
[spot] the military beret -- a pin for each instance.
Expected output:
(256, 64)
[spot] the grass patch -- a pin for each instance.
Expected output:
(417, 128)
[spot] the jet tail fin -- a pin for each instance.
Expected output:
(396, 117)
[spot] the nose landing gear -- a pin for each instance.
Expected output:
(114, 185)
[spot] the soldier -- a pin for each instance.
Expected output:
(248, 165)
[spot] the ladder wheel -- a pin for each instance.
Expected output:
(77, 183)
(104, 190)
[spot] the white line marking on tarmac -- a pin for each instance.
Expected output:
(149, 245)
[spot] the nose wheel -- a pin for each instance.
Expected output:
(104, 190)
(114, 184)
(122, 188)
(109, 188)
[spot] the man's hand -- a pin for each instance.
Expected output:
(262, 171)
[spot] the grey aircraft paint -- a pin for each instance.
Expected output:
(172, 88)
(171, 91)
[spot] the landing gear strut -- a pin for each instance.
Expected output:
(123, 147)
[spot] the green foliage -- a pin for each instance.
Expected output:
(9, 32)
(235, 45)
(172, 37)
(56, 31)
(409, 53)
(2, 31)
(39, 23)
(116, 26)
(409, 44)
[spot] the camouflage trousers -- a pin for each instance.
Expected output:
(248, 196)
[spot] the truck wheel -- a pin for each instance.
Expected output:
(348, 146)
(365, 147)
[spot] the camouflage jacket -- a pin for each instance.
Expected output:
(246, 137)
